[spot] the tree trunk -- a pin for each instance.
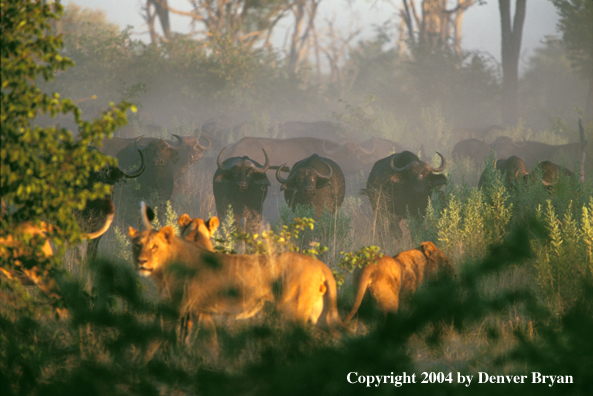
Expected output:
(299, 19)
(510, 50)
(149, 19)
(162, 11)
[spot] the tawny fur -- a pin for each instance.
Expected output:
(237, 286)
(11, 249)
(199, 231)
(392, 278)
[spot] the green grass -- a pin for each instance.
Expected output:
(520, 302)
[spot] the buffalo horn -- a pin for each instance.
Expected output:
(137, 172)
(279, 178)
(443, 164)
(137, 146)
(399, 169)
(178, 147)
(219, 161)
(330, 173)
(204, 148)
(365, 151)
(266, 165)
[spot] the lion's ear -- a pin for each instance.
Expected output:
(429, 248)
(168, 233)
(212, 224)
(132, 232)
(184, 220)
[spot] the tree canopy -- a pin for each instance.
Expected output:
(577, 34)
(44, 170)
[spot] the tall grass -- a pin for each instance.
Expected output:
(521, 302)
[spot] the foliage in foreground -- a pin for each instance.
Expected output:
(44, 172)
(99, 350)
(470, 220)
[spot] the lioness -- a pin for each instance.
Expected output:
(237, 286)
(391, 277)
(199, 231)
(12, 250)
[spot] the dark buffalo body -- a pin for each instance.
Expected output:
(402, 182)
(474, 149)
(158, 179)
(191, 153)
(242, 183)
(530, 151)
(551, 172)
(94, 214)
(315, 181)
(513, 170)
(279, 151)
(221, 131)
(318, 129)
(351, 156)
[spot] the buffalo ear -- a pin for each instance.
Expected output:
(395, 178)
(429, 248)
(132, 232)
(150, 213)
(168, 233)
(212, 224)
(218, 178)
(283, 187)
(184, 220)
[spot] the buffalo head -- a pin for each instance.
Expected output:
(418, 175)
(160, 152)
(242, 170)
(513, 170)
(304, 176)
(314, 181)
(112, 175)
(402, 182)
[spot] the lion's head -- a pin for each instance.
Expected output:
(151, 249)
(199, 231)
(437, 261)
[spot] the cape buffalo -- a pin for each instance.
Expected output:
(314, 181)
(351, 156)
(94, 214)
(551, 172)
(242, 183)
(191, 151)
(474, 149)
(319, 129)
(513, 170)
(400, 183)
(158, 177)
(532, 152)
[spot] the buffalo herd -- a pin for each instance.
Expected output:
(311, 161)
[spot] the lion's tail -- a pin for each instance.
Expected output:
(362, 288)
(334, 322)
